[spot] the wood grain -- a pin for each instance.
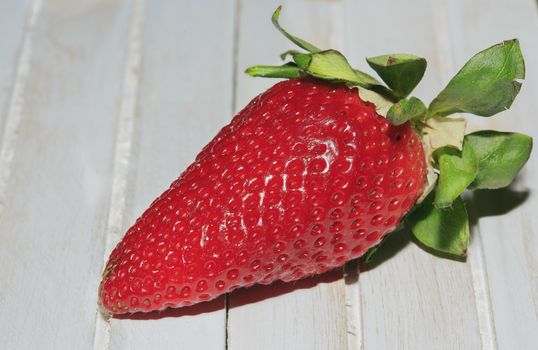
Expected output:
(10, 120)
(52, 227)
(13, 18)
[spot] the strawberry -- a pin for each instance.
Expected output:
(306, 177)
(310, 174)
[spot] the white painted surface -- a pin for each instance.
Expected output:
(103, 103)
(13, 20)
(16, 100)
(56, 199)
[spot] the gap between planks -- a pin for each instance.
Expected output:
(353, 303)
(123, 151)
(477, 262)
(16, 101)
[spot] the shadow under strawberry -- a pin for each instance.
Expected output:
(194, 310)
(485, 203)
(239, 297)
(479, 204)
(254, 294)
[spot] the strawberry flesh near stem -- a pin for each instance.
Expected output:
(305, 178)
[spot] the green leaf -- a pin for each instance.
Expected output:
(487, 83)
(368, 79)
(405, 110)
(331, 64)
(443, 230)
(458, 170)
(287, 53)
(303, 44)
(500, 156)
(401, 72)
(288, 71)
(302, 59)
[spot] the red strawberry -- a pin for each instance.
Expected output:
(306, 177)
(303, 179)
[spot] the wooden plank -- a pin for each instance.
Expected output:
(14, 95)
(185, 97)
(14, 15)
(308, 314)
(506, 219)
(409, 298)
(52, 226)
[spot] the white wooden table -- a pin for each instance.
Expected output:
(103, 103)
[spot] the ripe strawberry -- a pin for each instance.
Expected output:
(306, 177)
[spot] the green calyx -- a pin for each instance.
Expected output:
(486, 85)
(332, 66)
